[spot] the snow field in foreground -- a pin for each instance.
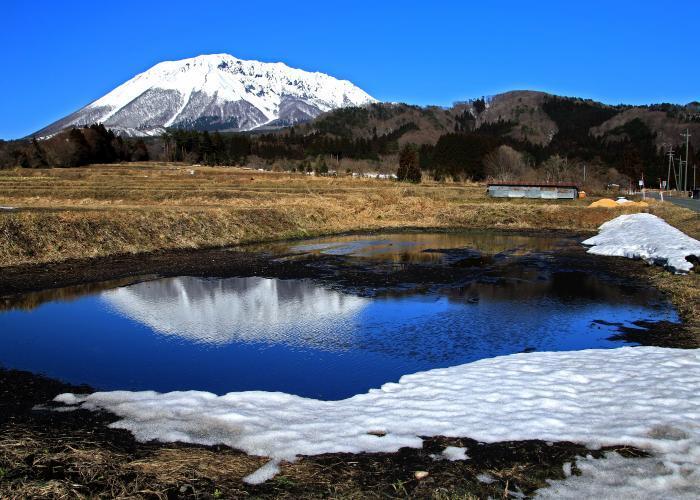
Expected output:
(647, 397)
(647, 237)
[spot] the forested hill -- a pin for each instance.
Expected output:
(564, 125)
(454, 141)
(533, 128)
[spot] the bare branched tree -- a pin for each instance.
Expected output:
(555, 169)
(504, 164)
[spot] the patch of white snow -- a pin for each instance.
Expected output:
(647, 237)
(453, 453)
(485, 478)
(567, 469)
(617, 477)
(267, 471)
(645, 397)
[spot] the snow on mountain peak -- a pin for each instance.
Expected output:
(215, 92)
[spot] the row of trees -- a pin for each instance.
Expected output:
(202, 147)
(73, 148)
(232, 149)
(488, 151)
(506, 164)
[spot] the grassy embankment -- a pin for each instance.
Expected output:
(108, 210)
(117, 209)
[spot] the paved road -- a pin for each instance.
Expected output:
(680, 201)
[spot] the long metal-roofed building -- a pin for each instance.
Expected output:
(546, 191)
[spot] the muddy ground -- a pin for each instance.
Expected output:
(64, 454)
(250, 260)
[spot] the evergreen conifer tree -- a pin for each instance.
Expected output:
(409, 168)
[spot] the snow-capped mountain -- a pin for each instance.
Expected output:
(214, 92)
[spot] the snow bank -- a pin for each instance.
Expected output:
(646, 397)
(647, 237)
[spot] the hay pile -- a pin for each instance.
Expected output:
(604, 203)
(608, 203)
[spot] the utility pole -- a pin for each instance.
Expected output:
(685, 177)
(676, 174)
(668, 177)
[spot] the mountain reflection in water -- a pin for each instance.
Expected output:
(296, 336)
(221, 311)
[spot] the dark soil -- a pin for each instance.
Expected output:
(363, 277)
(659, 333)
(242, 261)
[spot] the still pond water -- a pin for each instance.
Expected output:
(295, 336)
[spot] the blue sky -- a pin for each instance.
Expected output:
(59, 56)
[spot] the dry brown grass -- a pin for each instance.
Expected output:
(41, 465)
(684, 292)
(114, 209)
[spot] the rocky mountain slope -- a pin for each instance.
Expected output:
(214, 92)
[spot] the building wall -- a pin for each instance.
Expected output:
(544, 192)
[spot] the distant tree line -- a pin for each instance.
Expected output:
(467, 151)
(72, 148)
(689, 113)
(202, 147)
(234, 148)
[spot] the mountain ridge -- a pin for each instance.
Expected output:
(214, 92)
(530, 116)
